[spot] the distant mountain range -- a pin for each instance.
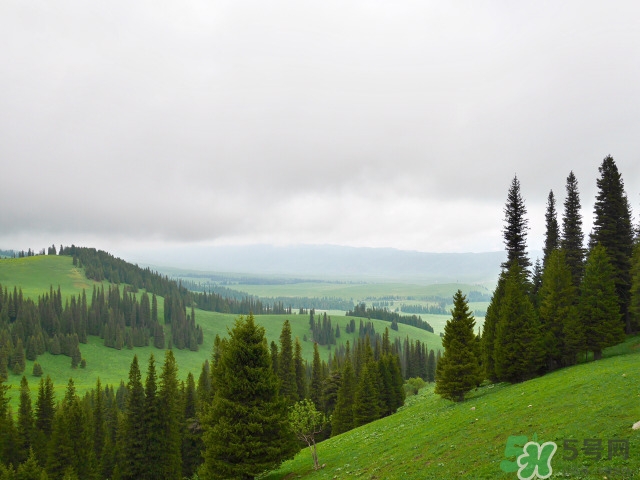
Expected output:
(328, 261)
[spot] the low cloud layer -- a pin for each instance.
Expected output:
(358, 123)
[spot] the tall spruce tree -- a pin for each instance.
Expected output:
(634, 306)
(491, 318)
(25, 421)
(563, 333)
(301, 374)
(518, 349)
(572, 241)
(152, 424)
(342, 418)
(598, 308)
(286, 366)
(315, 388)
(246, 429)
(133, 434)
(612, 228)
(459, 369)
(515, 228)
(366, 398)
(552, 232)
(169, 400)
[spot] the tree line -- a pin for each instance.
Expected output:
(361, 310)
(30, 328)
(234, 420)
(567, 307)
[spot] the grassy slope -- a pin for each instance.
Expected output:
(35, 274)
(435, 438)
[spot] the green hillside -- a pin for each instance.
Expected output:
(432, 438)
(35, 275)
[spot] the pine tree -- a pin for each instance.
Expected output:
(634, 306)
(518, 349)
(171, 419)
(99, 424)
(301, 374)
(192, 445)
(459, 369)
(515, 228)
(563, 334)
(246, 429)
(342, 418)
(133, 434)
(552, 233)
(25, 421)
(598, 308)
(366, 399)
(431, 367)
(613, 230)
(489, 329)
(152, 424)
(286, 366)
(572, 241)
(315, 388)
(45, 411)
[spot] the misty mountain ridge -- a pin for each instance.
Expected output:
(329, 261)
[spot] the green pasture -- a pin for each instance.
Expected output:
(357, 291)
(34, 275)
(433, 438)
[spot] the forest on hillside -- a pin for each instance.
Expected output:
(559, 310)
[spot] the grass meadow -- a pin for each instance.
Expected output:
(36, 274)
(433, 438)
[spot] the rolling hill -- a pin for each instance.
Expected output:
(35, 275)
(433, 438)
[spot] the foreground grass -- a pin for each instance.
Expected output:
(432, 438)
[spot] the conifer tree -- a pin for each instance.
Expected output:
(342, 418)
(562, 332)
(634, 306)
(489, 328)
(366, 399)
(572, 241)
(170, 420)
(315, 388)
(152, 424)
(515, 228)
(431, 367)
(598, 307)
(133, 434)
(192, 445)
(458, 371)
(552, 233)
(247, 429)
(25, 421)
(99, 425)
(301, 375)
(286, 366)
(612, 228)
(518, 349)
(44, 413)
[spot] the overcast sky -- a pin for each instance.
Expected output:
(127, 124)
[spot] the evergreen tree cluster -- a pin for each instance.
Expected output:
(138, 432)
(579, 300)
(322, 332)
(30, 328)
(362, 310)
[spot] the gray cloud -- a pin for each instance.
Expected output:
(359, 123)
